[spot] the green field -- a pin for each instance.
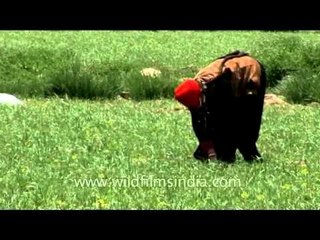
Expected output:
(62, 153)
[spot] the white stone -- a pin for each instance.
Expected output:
(150, 72)
(9, 99)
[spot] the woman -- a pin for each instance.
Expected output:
(225, 100)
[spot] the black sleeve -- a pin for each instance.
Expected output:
(199, 124)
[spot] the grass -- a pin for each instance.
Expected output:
(302, 87)
(58, 153)
(49, 146)
(100, 64)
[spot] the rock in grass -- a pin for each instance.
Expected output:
(8, 99)
(150, 72)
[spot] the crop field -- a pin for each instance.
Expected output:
(76, 144)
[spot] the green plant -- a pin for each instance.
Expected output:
(301, 87)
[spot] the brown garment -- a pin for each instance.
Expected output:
(246, 73)
(230, 115)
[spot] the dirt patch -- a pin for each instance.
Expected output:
(125, 95)
(272, 99)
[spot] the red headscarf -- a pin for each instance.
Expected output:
(188, 93)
